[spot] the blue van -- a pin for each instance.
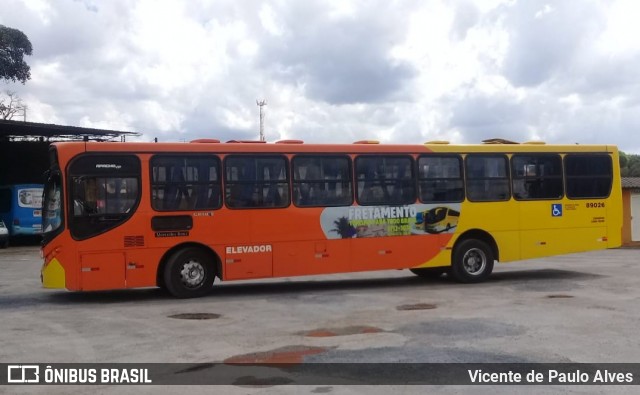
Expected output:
(21, 209)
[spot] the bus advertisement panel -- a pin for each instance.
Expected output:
(179, 215)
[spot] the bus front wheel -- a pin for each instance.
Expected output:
(189, 273)
(472, 261)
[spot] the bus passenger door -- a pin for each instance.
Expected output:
(104, 270)
(248, 261)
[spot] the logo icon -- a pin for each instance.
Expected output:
(23, 374)
(556, 210)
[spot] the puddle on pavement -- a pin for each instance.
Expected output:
(288, 354)
(345, 331)
(416, 306)
(195, 316)
(559, 296)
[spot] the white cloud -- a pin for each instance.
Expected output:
(270, 21)
(546, 9)
(337, 71)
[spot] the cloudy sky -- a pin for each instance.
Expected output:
(565, 71)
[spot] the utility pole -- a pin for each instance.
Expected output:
(261, 104)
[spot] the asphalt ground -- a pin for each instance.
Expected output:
(580, 308)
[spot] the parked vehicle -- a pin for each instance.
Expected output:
(4, 235)
(21, 209)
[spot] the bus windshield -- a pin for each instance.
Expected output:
(52, 207)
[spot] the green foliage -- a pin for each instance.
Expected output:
(13, 46)
(629, 165)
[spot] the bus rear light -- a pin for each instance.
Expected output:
(16, 221)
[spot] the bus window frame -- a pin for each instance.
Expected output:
(287, 167)
(350, 169)
(587, 154)
(547, 154)
(71, 218)
(413, 178)
(507, 177)
(182, 155)
(419, 179)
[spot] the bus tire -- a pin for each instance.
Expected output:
(472, 261)
(429, 272)
(189, 273)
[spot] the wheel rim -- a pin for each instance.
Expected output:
(474, 261)
(192, 274)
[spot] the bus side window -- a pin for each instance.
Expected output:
(440, 178)
(385, 180)
(185, 182)
(322, 180)
(536, 176)
(256, 181)
(104, 192)
(588, 175)
(487, 177)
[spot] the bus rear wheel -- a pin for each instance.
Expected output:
(472, 261)
(189, 273)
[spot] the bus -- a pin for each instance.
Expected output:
(437, 220)
(180, 215)
(21, 209)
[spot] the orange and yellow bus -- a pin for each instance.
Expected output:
(179, 215)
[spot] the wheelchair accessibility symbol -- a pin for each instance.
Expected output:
(556, 210)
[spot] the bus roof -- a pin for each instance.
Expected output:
(295, 146)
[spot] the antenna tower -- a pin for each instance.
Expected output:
(261, 103)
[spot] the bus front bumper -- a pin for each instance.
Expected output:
(53, 275)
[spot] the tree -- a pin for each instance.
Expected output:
(629, 165)
(624, 160)
(13, 46)
(11, 105)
